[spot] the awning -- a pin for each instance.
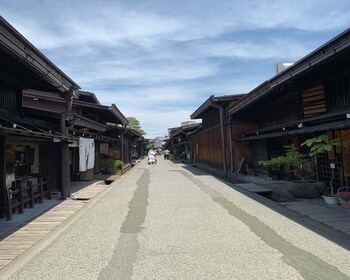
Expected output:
(15, 125)
(335, 125)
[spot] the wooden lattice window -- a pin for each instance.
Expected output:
(314, 102)
(338, 91)
(325, 171)
(9, 99)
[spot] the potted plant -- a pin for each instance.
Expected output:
(112, 165)
(288, 163)
(301, 166)
(343, 195)
(331, 199)
(296, 163)
(319, 145)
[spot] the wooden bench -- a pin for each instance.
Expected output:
(14, 197)
(46, 187)
(25, 192)
(37, 191)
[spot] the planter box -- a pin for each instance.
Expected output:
(306, 189)
(87, 175)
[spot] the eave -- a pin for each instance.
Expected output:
(186, 130)
(18, 46)
(325, 122)
(111, 113)
(114, 109)
(85, 122)
(326, 51)
(214, 99)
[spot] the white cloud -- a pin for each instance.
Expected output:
(98, 25)
(155, 123)
(142, 73)
(268, 49)
(160, 60)
(144, 23)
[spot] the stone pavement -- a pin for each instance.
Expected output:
(333, 216)
(19, 236)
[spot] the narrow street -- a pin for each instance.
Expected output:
(170, 221)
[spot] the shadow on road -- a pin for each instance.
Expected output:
(323, 230)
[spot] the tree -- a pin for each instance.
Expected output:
(135, 124)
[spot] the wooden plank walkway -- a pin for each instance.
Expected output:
(16, 241)
(108, 178)
(21, 238)
(332, 215)
(89, 191)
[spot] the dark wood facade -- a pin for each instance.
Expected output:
(179, 143)
(128, 144)
(212, 145)
(310, 98)
(88, 119)
(23, 140)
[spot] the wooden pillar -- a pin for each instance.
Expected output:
(3, 195)
(222, 133)
(232, 153)
(122, 146)
(65, 172)
(64, 159)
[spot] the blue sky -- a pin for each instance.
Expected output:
(160, 60)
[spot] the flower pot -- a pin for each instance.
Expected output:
(306, 189)
(343, 195)
(331, 200)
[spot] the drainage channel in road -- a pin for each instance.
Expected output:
(125, 253)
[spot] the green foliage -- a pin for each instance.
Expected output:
(317, 145)
(292, 158)
(320, 144)
(148, 147)
(113, 165)
(135, 124)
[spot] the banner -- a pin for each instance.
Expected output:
(86, 154)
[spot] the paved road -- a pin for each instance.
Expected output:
(166, 222)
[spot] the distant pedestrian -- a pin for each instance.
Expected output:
(166, 154)
(152, 157)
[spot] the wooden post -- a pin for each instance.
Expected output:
(64, 161)
(122, 146)
(4, 202)
(232, 154)
(222, 133)
(65, 176)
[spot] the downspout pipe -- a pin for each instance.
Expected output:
(221, 110)
(232, 153)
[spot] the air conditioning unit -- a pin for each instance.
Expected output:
(280, 66)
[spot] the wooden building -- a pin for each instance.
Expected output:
(88, 122)
(179, 143)
(309, 98)
(22, 66)
(211, 145)
(129, 143)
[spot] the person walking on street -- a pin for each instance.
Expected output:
(151, 157)
(166, 154)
